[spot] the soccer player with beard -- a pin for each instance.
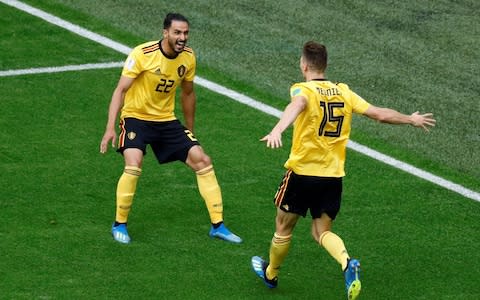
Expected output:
(145, 99)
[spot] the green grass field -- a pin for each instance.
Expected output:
(415, 239)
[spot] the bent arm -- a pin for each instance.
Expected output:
(290, 114)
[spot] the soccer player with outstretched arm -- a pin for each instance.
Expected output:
(321, 114)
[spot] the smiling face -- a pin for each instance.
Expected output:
(176, 36)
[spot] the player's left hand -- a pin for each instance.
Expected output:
(423, 120)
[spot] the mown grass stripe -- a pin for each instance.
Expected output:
(245, 100)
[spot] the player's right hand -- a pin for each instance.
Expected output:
(110, 135)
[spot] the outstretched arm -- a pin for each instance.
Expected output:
(391, 116)
(115, 105)
(290, 114)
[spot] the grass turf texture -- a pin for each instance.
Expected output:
(409, 55)
(415, 240)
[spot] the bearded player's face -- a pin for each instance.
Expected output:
(177, 35)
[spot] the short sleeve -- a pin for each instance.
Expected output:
(359, 105)
(132, 66)
(190, 75)
(298, 90)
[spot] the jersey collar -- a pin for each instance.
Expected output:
(164, 53)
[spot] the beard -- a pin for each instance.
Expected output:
(177, 45)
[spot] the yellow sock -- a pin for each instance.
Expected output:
(278, 251)
(211, 193)
(126, 187)
(335, 247)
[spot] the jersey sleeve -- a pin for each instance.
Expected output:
(132, 66)
(190, 75)
(298, 90)
(359, 105)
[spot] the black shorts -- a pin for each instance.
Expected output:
(170, 140)
(299, 193)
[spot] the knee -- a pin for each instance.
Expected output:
(205, 160)
(197, 159)
(201, 163)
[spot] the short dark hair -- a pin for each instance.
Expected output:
(167, 22)
(315, 55)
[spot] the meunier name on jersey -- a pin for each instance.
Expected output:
(328, 92)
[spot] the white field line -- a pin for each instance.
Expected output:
(61, 69)
(245, 100)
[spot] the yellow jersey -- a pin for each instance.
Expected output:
(151, 97)
(321, 131)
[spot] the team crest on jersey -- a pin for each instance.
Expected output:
(181, 70)
(131, 135)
